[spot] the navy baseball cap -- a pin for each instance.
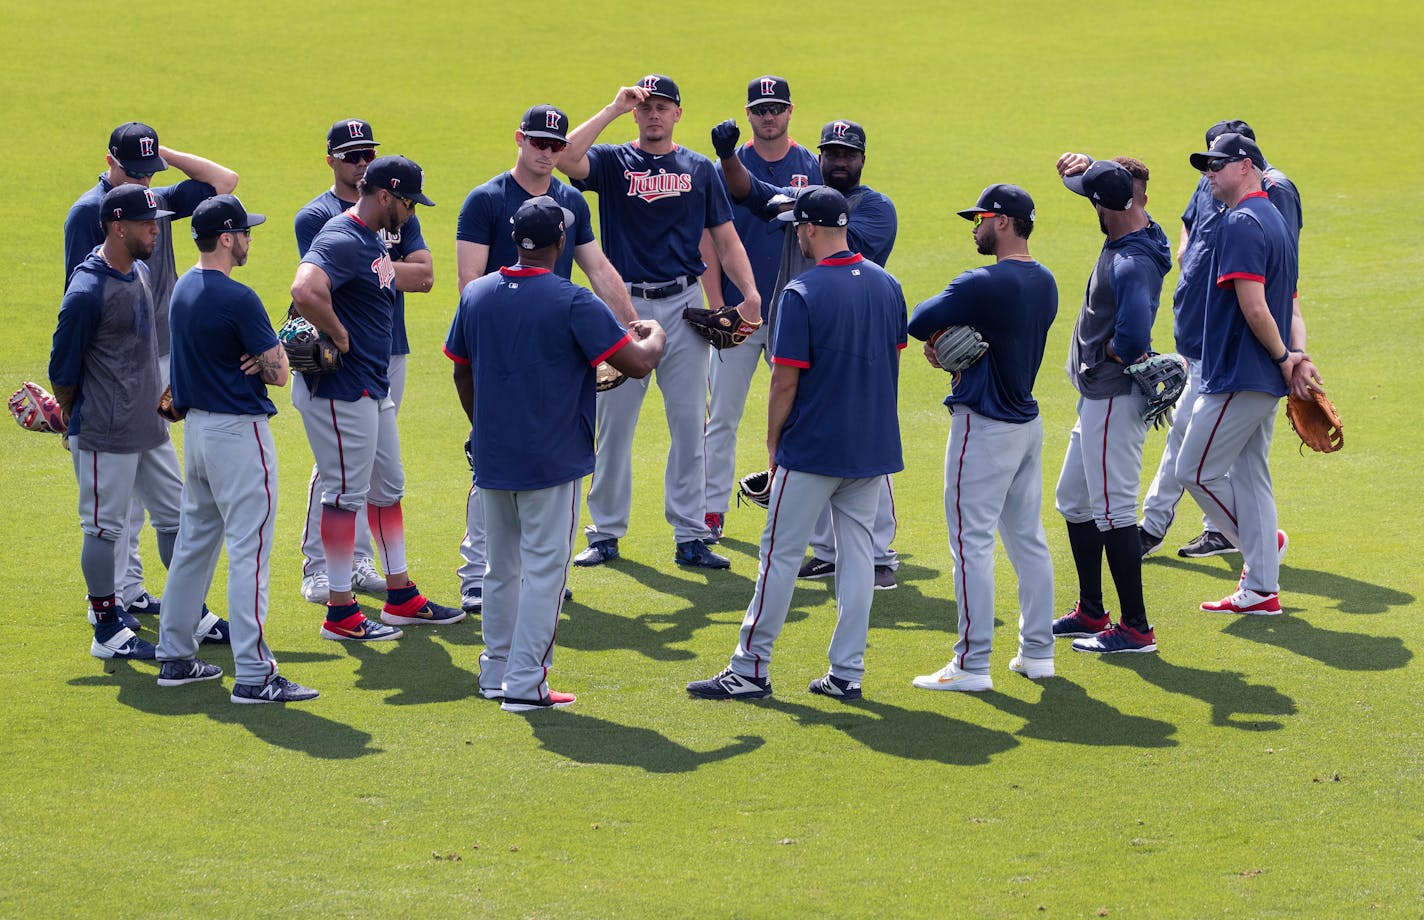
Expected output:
(350, 134)
(539, 221)
(1009, 200)
(843, 134)
(131, 202)
(545, 121)
(1230, 126)
(399, 176)
(135, 146)
(768, 89)
(1106, 183)
(1230, 146)
(658, 85)
(222, 214)
(820, 205)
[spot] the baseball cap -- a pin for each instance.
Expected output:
(820, 205)
(131, 202)
(843, 134)
(539, 221)
(545, 121)
(768, 89)
(399, 176)
(1230, 145)
(658, 85)
(350, 134)
(1230, 126)
(222, 214)
(1009, 200)
(135, 145)
(1106, 183)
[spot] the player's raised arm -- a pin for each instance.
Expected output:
(221, 178)
(573, 162)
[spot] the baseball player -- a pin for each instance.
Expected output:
(532, 444)
(1097, 488)
(833, 435)
(225, 355)
(1248, 364)
(104, 370)
(774, 158)
(872, 229)
(1200, 221)
(483, 244)
(993, 463)
(350, 147)
(134, 157)
(345, 287)
(655, 198)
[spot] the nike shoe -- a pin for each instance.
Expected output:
(352, 625)
(729, 685)
(816, 568)
(554, 700)
(1117, 638)
(365, 578)
(146, 605)
(950, 677)
(420, 611)
(277, 690)
(832, 686)
(1076, 623)
(1246, 601)
(598, 552)
(212, 629)
(315, 588)
(1032, 668)
(884, 578)
(121, 643)
(694, 553)
(126, 620)
(1207, 543)
(714, 524)
(178, 673)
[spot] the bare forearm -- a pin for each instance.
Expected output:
(311, 295)
(1297, 325)
(784, 383)
(712, 276)
(735, 265)
(739, 181)
(415, 277)
(465, 388)
(204, 170)
(608, 285)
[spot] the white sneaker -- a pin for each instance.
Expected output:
(950, 677)
(315, 588)
(364, 577)
(1032, 668)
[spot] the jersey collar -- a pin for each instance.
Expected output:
(850, 258)
(522, 271)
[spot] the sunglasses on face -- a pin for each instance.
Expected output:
(768, 108)
(1220, 164)
(981, 217)
(408, 202)
(134, 174)
(355, 157)
(548, 143)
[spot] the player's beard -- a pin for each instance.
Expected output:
(987, 241)
(846, 180)
(803, 241)
(239, 252)
(139, 247)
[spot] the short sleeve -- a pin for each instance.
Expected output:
(254, 329)
(791, 340)
(1241, 249)
(595, 328)
(477, 218)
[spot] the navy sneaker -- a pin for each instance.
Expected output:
(714, 524)
(597, 553)
(832, 686)
(472, 600)
(212, 629)
(126, 619)
(730, 685)
(816, 568)
(1077, 624)
(147, 604)
(420, 611)
(884, 578)
(351, 625)
(276, 690)
(178, 673)
(1117, 638)
(120, 642)
(696, 554)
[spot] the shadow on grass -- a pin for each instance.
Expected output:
(290, 727)
(1067, 714)
(1351, 595)
(1346, 651)
(418, 667)
(1228, 693)
(589, 740)
(905, 607)
(913, 734)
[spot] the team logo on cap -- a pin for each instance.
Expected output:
(228, 223)
(651, 187)
(551, 120)
(145, 146)
(650, 84)
(355, 129)
(768, 86)
(150, 199)
(395, 183)
(839, 129)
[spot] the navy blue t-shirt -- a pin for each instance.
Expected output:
(533, 340)
(1012, 304)
(799, 169)
(652, 209)
(843, 323)
(215, 321)
(486, 216)
(363, 285)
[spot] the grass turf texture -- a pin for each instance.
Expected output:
(1253, 767)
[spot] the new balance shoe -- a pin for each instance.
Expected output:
(832, 686)
(714, 524)
(598, 552)
(950, 677)
(554, 700)
(695, 553)
(1151, 543)
(816, 568)
(277, 690)
(472, 600)
(1246, 601)
(884, 578)
(420, 611)
(126, 619)
(729, 685)
(122, 644)
(1077, 623)
(315, 588)
(212, 629)
(1117, 638)
(1207, 543)
(146, 605)
(178, 673)
(1032, 668)
(365, 578)
(351, 625)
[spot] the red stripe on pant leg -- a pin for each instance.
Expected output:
(958, 494)
(761, 576)
(1212, 437)
(1107, 500)
(894, 518)
(257, 575)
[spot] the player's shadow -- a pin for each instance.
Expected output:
(912, 734)
(294, 726)
(590, 740)
(1065, 713)
(1346, 651)
(1351, 595)
(1232, 698)
(418, 666)
(906, 607)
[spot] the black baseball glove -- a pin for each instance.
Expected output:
(725, 137)
(308, 350)
(722, 328)
(1161, 378)
(755, 488)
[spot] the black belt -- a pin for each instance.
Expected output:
(659, 291)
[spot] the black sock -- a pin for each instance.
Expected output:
(1124, 552)
(1087, 543)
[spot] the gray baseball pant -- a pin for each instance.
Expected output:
(1102, 468)
(1159, 508)
(823, 539)
(108, 486)
(730, 379)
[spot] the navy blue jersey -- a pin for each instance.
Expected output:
(652, 209)
(799, 169)
(1012, 304)
(486, 216)
(843, 323)
(873, 221)
(363, 285)
(314, 215)
(216, 321)
(533, 340)
(1253, 244)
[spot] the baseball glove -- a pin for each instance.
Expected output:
(1161, 378)
(1316, 421)
(958, 347)
(166, 408)
(308, 350)
(607, 377)
(722, 328)
(755, 488)
(35, 409)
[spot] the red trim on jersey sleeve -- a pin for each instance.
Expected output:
(454, 357)
(1254, 195)
(902, 346)
(522, 271)
(1225, 281)
(791, 362)
(617, 345)
(843, 260)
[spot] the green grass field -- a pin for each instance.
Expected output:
(1256, 768)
